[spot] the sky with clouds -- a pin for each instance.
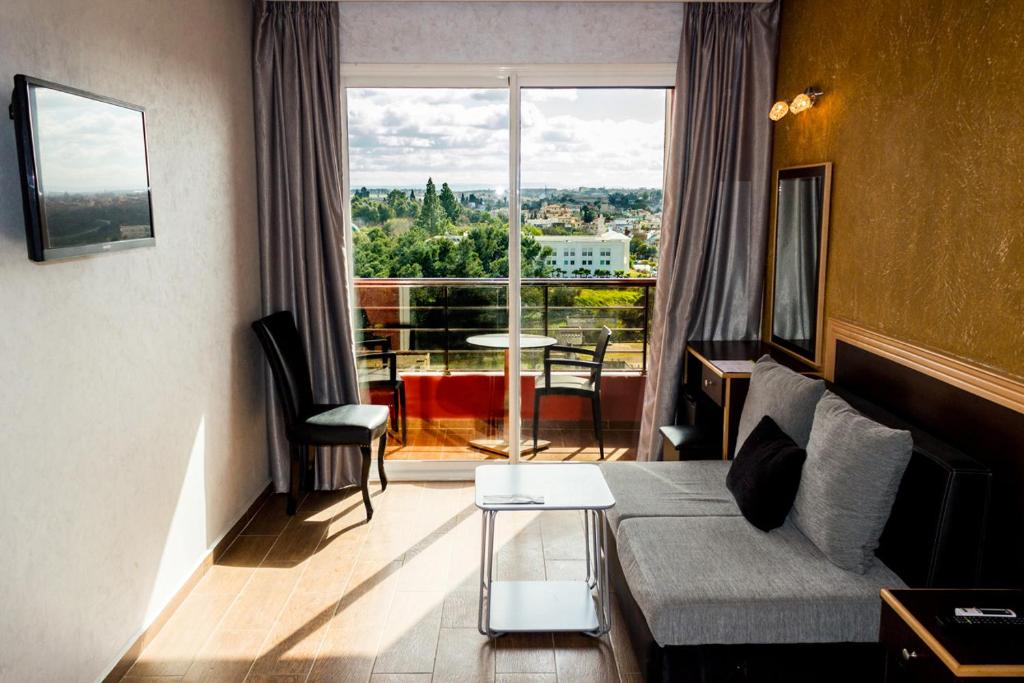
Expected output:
(85, 145)
(570, 137)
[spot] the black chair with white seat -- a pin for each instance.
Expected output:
(588, 387)
(309, 425)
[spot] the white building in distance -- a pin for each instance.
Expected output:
(608, 251)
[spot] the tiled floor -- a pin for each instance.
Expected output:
(450, 443)
(324, 596)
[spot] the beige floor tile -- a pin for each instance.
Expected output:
(258, 605)
(227, 656)
(271, 518)
(295, 639)
(401, 678)
(296, 543)
(329, 568)
(410, 635)
(172, 650)
(464, 656)
(233, 569)
(461, 610)
(525, 653)
(526, 678)
(350, 646)
(583, 659)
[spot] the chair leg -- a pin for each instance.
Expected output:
(394, 413)
(595, 402)
(382, 445)
(310, 462)
(403, 414)
(295, 480)
(364, 480)
(536, 419)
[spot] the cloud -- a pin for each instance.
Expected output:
(570, 138)
(88, 146)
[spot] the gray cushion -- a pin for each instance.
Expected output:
(334, 425)
(566, 382)
(785, 396)
(706, 580)
(854, 466)
(667, 489)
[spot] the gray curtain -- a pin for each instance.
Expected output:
(303, 258)
(715, 219)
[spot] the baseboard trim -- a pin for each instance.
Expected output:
(148, 633)
(999, 388)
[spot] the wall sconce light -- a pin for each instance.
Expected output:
(800, 103)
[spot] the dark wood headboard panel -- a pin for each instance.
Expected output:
(984, 429)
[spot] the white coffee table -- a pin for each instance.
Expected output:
(544, 606)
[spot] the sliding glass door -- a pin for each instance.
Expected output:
(463, 277)
(428, 171)
(592, 167)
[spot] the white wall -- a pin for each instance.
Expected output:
(510, 32)
(131, 412)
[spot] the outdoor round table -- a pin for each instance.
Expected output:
(503, 341)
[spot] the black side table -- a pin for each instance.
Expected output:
(920, 648)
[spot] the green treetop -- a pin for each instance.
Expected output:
(449, 203)
(432, 216)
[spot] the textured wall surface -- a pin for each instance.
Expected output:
(132, 429)
(922, 118)
(510, 32)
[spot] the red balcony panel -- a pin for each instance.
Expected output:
(433, 397)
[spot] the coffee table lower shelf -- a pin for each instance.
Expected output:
(531, 606)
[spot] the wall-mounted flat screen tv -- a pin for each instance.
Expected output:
(84, 171)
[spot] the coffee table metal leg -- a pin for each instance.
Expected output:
(606, 594)
(586, 540)
(597, 532)
(486, 573)
(483, 573)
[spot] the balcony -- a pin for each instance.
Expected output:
(456, 392)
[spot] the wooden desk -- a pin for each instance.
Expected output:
(716, 376)
(918, 648)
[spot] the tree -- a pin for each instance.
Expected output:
(450, 205)
(640, 250)
(432, 216)
(588, 214)
(412, 195)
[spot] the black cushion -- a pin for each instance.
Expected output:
(340, 425)
(765, 475)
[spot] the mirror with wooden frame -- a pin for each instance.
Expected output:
(801, 246)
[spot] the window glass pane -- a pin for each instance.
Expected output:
(591, 199)
(429, 175)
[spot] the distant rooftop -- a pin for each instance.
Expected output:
(609, 236)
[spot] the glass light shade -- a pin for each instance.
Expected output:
(778, 110)
(801, 102)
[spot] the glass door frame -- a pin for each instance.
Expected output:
(492, 76)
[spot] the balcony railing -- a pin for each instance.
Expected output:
(428, 320)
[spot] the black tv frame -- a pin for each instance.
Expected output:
(21, 113)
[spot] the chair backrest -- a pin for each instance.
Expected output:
(603, 338)
(280, 339)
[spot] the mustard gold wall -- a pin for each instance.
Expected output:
(923, 119)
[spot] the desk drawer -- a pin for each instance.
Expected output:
(712, 385)
(907, 658)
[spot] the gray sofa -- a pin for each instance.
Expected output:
(706, 596)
